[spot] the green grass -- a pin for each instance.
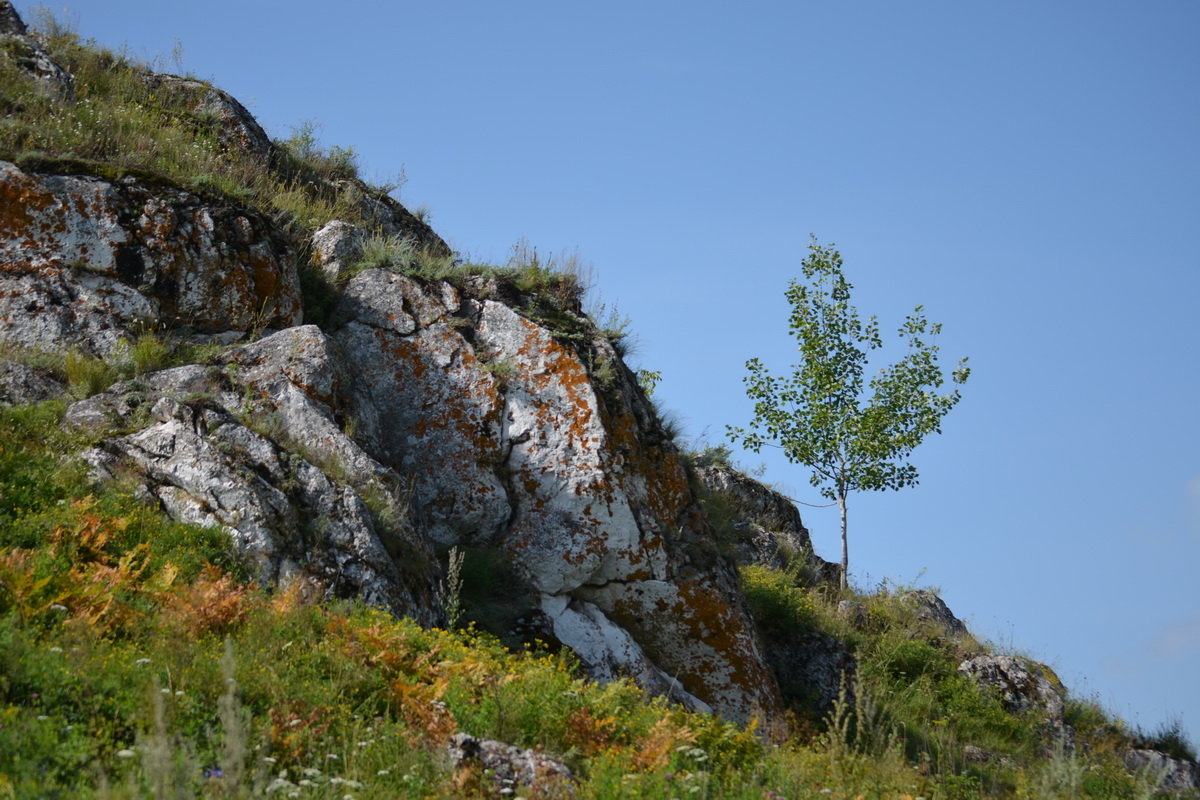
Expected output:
(910, 706)
(136, 657)
(118, 124)
(139, 659)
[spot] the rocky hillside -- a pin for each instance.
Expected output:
(470, 410)
(239, 336)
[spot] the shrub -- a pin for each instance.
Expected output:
(775, 601)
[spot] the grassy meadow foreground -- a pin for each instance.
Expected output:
(138, 661)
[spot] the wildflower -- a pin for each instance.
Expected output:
(268, 760)
(42, 717)
(58, 607)
(125, 753)
(56, 649)
(280, 784)
(141, 662)
(213, 774)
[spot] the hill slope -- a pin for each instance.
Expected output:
(299, 434)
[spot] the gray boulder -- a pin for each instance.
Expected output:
(336, 246)
(386, 215)
(508, 766)
(1170, 775)
(20, 385)
(932, 610)
(237, 128)
(1025, 687)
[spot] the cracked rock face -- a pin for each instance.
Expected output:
(83, 262)
(537, 460)
(511, 443)
(251, 446)
(469, 425)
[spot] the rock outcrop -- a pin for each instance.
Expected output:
(477, 412)
(250, 444)
(768, 526)
(569, 475)
(512, 441)
(23, 50)
(86, 262)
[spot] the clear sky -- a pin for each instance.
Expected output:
(1029, 171)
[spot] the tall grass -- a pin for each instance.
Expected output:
(119, 123)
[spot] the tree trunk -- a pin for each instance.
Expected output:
(845, 578)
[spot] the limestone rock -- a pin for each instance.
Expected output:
(933, 610)
(1024, 686)
(83, 262)
(769, 528)
(389, 217)
(1171, 775)
(298, 496)
(236, 127)
(511, 443)
(510, 766)
(20, 385)
(854, 612)
(336, 246)
(29, 56)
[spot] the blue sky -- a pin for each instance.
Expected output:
(1028, 171)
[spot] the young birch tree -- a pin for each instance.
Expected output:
(823, 417)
